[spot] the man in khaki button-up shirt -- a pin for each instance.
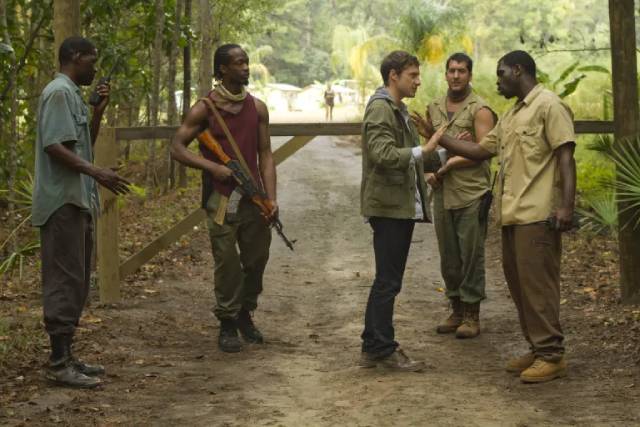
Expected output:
(534, 142)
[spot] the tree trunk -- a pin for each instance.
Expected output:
(186, 86)
(172, 111)
(155, 88)
(205, 70)
(66, 23)
(12, 132)
(626, 124)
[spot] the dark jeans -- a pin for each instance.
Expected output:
(391, 242)
(66, 245)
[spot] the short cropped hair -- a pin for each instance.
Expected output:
(72, 45)
(522, 58)
(397, 60)
(461, 57)
(221, 57)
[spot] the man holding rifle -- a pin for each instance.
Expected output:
(239, 124)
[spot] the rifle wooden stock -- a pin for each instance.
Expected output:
(258, 197)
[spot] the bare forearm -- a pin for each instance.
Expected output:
(568, 182)
(268, 175)
(70, 159)
(95, 126)
(470, 150)
(181, 154)
(459, 162)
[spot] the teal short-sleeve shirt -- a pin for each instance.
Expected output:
(62, 119)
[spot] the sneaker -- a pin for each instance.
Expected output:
(519, 364)
(248, 329)
(367, 361)
(542, 371)
(451, 323)
(399, 361)
(228, 340)
(87, 369)
(65, 374)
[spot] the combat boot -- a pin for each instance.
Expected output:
(79, 365)
(543, 370)
(228, 340)
(451, 324)
(61, 371)
(65, 374)
(520, 363)
(248, 329)
(470, 327)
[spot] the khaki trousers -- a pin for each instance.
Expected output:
(531, 262)
(240, 249)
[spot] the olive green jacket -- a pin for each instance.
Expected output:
(389, 172)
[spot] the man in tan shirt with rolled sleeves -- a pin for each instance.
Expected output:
(534, 142)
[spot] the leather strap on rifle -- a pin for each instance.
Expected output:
(209, 103)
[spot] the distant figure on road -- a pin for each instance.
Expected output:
(240, 236)
(329, 102)
(393, 199)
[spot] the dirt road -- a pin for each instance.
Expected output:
(165, 369)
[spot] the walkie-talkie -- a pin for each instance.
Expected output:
(95, 98)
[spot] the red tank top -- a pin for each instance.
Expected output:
(244, 129)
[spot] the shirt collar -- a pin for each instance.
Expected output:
(68, 81)
(533, 94)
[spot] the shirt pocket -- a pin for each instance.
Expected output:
(80, 121)
(531, 142)
(466, 124)
(82, 131)
(437, 121)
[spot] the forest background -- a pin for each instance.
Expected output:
(160, 48)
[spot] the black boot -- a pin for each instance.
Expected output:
(60, 369)
(249, 332)
(228, 340)
(82, 367)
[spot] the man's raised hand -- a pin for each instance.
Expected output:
(423, 124)
(111, 181)
(432, 144)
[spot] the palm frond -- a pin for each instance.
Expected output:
(601, 214)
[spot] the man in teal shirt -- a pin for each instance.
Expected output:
(65, 202)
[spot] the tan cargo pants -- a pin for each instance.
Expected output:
(531, 261)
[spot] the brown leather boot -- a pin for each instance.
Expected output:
(520, 363)
(451, 323)
(470, 327)
(542, 371)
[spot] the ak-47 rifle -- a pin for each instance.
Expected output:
(246, 185)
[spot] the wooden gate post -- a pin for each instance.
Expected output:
(108, 259)
(626, 117)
